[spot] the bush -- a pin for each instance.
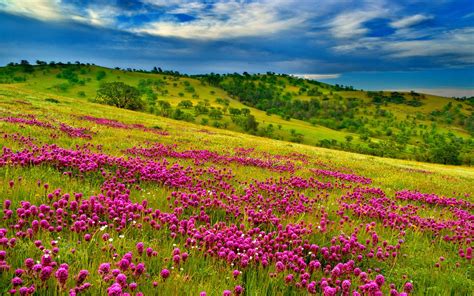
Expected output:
(62, 87)
(120, 95)
(51, 100)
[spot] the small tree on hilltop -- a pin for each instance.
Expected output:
(120, 95)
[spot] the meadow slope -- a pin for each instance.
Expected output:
(98, 200)
(390, 124)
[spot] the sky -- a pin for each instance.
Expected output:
(369, 44)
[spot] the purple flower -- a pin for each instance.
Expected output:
(124, 264)
(184, 256)
(165, 273)
(408, 287)
(346, 285)
(140, 247)
(280, 266)
(238, 290)
(176, 259)
(380, 280)
(46, 260)
(81, 277)
(46, 273)
(16, 281)
(24, 291)
(29, 262)
(114, 290)
(140, 269)
(84, 286)
(121, 279)
(62, 275)
(104, 268)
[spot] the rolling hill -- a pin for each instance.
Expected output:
(390, 124)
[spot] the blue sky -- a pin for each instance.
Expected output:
(373, 44)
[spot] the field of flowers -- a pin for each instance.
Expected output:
(101, 201)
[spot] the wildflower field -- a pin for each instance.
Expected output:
(97, 200)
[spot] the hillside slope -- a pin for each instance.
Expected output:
(177, 208)
(389, 124)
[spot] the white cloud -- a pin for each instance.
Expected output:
(317, 76)
(56, 10)
(454, 46)
(38, 9)
(190, 8)
(98, 15)
(229, 19)
(362, 45)
(350, 24)
(458, 42)
(410, 21)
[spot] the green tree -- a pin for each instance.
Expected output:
(100, 75)
(215, 114)
(26, 66)
(186, 104)
(120, 95)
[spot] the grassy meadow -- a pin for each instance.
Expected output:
(423, 257)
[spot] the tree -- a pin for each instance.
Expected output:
(445, 152)
(215, 114)
(177, 114)
(26, 66)
(200, 108)
(100, 75)
(234, 111)
(186, 104)
(250, 123)
(164, 104)
(120, 95)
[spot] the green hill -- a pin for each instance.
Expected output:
(390, 124)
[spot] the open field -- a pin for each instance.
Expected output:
(98, 200)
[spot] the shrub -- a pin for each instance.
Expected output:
(51, 100)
